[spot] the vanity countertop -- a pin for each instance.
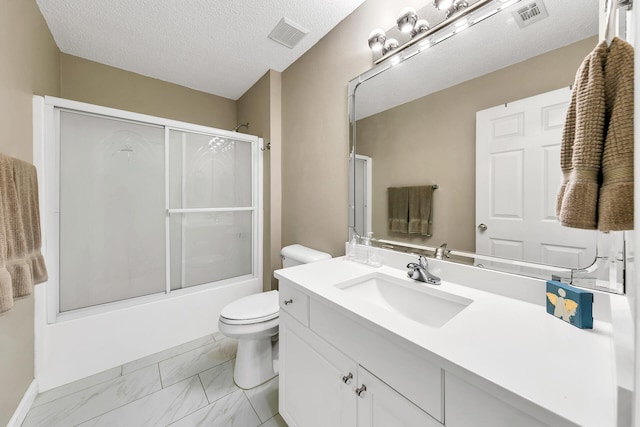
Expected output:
(510, 343)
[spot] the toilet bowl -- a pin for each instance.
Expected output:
(253, 320)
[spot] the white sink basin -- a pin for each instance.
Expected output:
(414, 300)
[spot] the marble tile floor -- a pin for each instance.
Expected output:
(185, 386)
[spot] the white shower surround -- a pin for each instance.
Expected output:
(89, 341)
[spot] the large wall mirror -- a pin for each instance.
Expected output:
(479, 115)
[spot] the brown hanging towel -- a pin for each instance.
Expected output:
(21, 263)
(615, 205)
(582, 145)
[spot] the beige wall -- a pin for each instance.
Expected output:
(315, 134)
(29, 66)
(94, 83)
(433, 141)
(275, 157)
(260, 106)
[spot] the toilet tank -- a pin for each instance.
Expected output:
(298, 254)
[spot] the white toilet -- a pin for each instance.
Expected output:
(253, 320)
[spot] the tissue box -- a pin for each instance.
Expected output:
(570, 304)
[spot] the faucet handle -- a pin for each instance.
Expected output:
(423, 262)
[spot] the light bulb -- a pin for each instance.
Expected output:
(377, 39)
(421, 26)
(442, 4)
(389, 45)
(407, 19)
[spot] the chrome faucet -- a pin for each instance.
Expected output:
(442, 252)
(420, 272)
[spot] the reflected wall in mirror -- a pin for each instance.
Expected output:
(415, 124)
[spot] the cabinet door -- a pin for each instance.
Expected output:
(312, 390)
(466, 405)
(381, 406)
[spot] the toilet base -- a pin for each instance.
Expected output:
(254, 362)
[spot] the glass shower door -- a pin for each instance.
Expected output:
(149, 208)
(112, 220)
(211, 208)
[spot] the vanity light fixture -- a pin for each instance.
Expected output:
(450, 12)
(407, 19)
(417, 35)
(457, 6)
(420, 27)
(442, 4)
(389, 45)
(377, 39)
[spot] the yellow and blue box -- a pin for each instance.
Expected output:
(570, 304)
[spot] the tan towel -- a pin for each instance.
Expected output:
(582, 144)
(420, 209)
(398, 202)
(615, 205)
(21, 263)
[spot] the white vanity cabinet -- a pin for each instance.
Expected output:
(316, 380)
(497, 363)
(322, 386)
(467, 405)
(379, 405)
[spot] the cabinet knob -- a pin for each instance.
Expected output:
(347, 378)
(360, 391)
(288, 301)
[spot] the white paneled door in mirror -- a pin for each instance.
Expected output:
(517, 177)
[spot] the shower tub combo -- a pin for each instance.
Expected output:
(150, 227)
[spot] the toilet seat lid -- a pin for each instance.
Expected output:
(252, 309)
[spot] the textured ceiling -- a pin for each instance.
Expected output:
(215, 46)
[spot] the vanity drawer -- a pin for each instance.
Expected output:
(294, 302)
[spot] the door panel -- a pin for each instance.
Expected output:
(312, 391)
(517, 177)
(381, 406)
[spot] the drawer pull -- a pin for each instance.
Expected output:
(288, 301)
(347, 378)
(360, 391)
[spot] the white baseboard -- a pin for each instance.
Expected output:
(25, 404)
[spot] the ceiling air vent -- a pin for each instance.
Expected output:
(530, 14)
(288, 33)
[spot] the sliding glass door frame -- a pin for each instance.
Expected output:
(47, 146)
